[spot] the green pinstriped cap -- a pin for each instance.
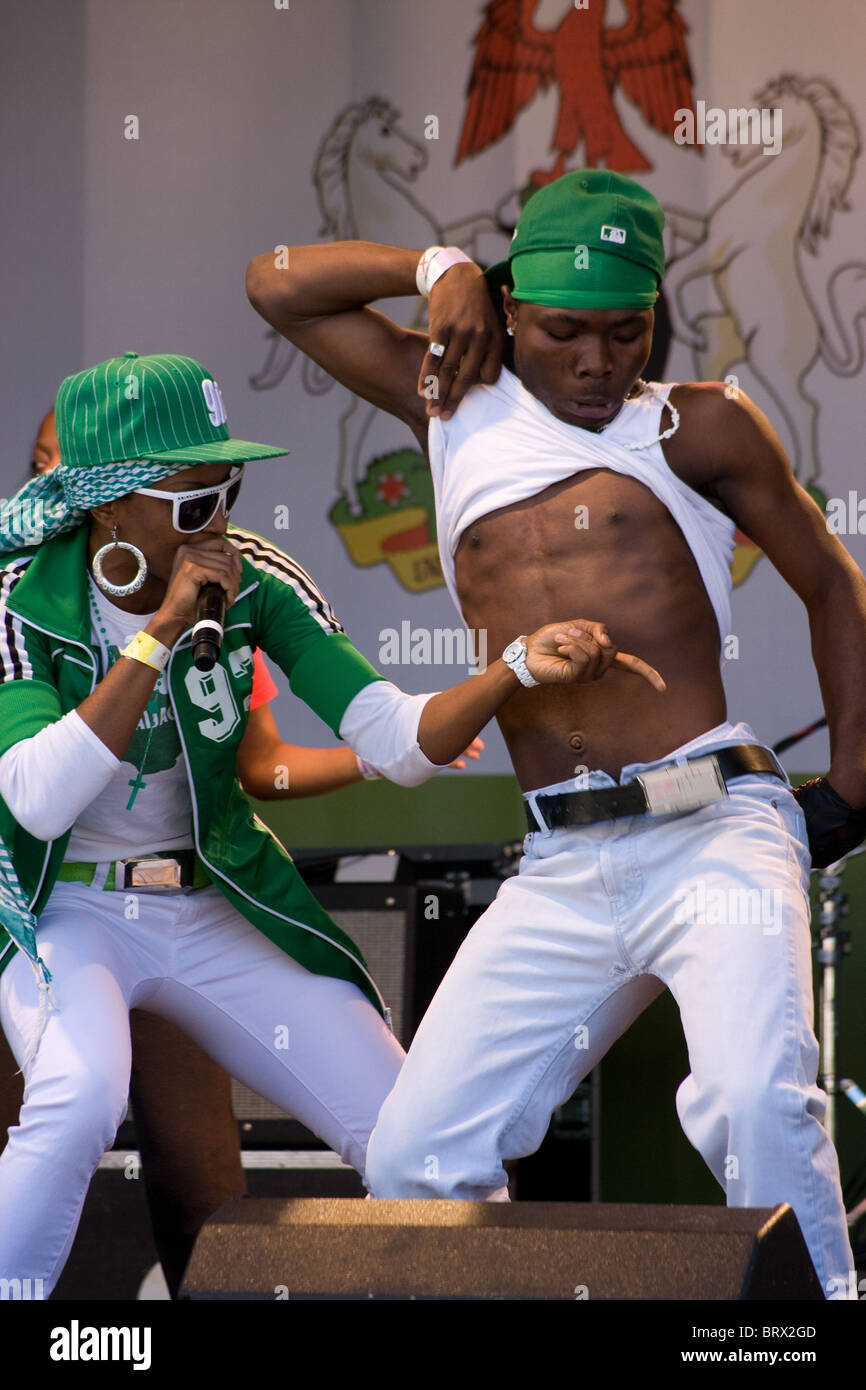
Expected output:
(162, 407)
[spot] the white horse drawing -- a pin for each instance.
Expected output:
(362, 174)
(749, 251)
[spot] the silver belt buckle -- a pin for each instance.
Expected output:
(148, 875)
(671, 789)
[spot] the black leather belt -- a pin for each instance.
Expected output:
(559, 810)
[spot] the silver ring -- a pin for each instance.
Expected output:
(119, 590)
(437, 349)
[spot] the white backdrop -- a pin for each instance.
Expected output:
(110, 244)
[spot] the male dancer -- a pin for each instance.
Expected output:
(562, 481)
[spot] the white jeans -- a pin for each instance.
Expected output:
(597, 922)
(313, 1045)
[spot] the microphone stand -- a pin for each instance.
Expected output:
(833, 945)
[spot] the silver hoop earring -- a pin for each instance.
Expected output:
(119, 590)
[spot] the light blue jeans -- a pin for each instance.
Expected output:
(714, 905)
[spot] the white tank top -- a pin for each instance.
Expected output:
(502, 445)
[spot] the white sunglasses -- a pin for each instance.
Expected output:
(195, 509)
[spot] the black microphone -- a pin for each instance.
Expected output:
(207, 634)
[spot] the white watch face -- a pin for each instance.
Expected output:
(513, 650)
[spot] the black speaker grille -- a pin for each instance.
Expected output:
(380, 933)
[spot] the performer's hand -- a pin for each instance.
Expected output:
(580, 651)
(214, 560)
(462, 317)
(834, 827)
(475, 748)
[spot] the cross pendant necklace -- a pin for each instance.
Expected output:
(136, 783)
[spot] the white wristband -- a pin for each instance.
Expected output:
(434, 262)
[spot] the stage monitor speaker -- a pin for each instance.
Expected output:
(408, 935)
(113, 1247)
(355, 1249)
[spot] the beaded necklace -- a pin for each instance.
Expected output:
(666, 434)
(108, 661)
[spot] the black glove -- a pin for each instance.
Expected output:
(834, 827)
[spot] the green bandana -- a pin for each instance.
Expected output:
(59, 500)
(591, 239)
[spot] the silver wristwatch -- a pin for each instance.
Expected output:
(515, 657)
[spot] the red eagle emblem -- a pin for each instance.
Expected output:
(514, 61)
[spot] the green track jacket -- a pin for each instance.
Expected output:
(48, 666)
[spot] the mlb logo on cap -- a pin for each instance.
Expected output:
(616, 234)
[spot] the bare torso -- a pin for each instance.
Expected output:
(525, 565)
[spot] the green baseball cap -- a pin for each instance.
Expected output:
(591, 239)
(163, 407)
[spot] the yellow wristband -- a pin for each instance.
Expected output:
(147, 650)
